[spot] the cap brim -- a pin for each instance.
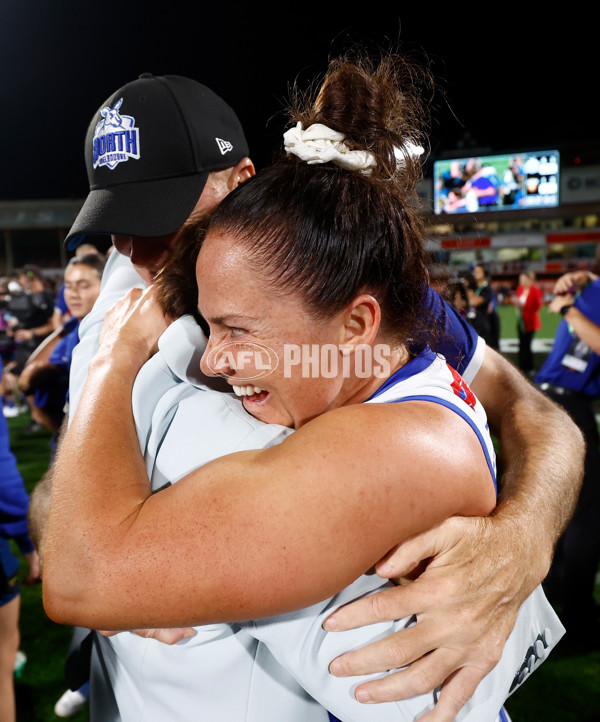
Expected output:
(149, 208)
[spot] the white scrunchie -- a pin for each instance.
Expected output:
(411, 149)
(320, 144)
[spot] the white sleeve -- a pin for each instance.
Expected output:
(299, 643)
(475, 361)
(118, 277)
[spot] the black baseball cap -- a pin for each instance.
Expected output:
(149, 150)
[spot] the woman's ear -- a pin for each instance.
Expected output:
(362, 320)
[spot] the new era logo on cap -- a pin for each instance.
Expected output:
(224, 145)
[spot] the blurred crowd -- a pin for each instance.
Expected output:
(38, 332)
(474, 296)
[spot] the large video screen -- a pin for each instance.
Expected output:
(496, 182)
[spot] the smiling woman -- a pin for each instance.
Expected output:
(320, 255)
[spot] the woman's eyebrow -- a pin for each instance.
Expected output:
(227, 318)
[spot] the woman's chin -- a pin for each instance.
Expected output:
(261, 407)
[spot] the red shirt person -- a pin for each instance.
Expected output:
(529, 301)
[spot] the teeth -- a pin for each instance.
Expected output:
(247, 390)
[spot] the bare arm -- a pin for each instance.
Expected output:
(261, 530)
(483, 569)
(587, 330)
(28, 334)
(541, 458)
(39, 503)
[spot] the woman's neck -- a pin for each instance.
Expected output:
(384, 360)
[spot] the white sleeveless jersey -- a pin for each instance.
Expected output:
(428, 377)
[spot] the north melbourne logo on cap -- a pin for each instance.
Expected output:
(224, 146)
(116, 139)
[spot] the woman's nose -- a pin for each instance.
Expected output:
(215, 361)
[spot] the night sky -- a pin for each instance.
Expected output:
(513, 81)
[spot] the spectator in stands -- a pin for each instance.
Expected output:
(528, 301)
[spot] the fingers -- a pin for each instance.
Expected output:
(563, 284)
(400, 562)
(392, 652)
(31, 580)
(455, 693)
(136, 320)
(408, 555)
(423, 676)
(165, 636)
(400, 602)
(384, 606)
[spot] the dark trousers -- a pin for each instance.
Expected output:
(525, 359)
(572, 576)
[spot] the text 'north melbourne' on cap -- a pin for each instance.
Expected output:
(149, 150)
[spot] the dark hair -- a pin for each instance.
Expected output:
(456, 286)
(92, 260)
(32, 272)
(483, 267)
(176, 281)
(330, 234)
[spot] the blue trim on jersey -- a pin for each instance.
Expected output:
(503, 716)
(457, 340)
(412, 368)
(464, 416)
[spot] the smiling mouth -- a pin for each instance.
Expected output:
(248, 390)
(251, 395)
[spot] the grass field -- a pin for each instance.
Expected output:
(565, 688)
(42, 679)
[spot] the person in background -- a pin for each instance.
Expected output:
(570, 376)
(482, 185)
(61, 312)
(14, 503)
(29, 314)
(482, 302)
(46, 377)
(528, 302)
(8, 286)
(456, 293)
